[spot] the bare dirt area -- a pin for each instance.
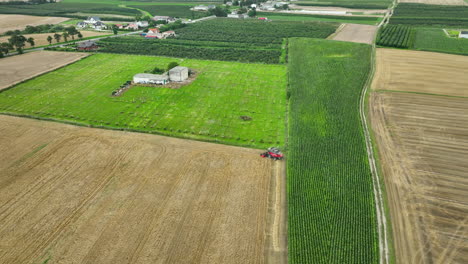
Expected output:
(41, 38)
(423, 149)
(81, 195)
(19, 68)
(356, 33)
(422, 72)
(436, 2)
(13, 22)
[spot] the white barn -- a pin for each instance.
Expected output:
(463, 34)
(147, 78)
(178, 74)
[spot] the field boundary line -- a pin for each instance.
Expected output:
(378, 197)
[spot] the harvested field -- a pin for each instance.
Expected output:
(80, 195)
(41, 39)
(423, 149)
(13, 22)
(357, 33)
(421, 72)
(19, 68)
(435, 2)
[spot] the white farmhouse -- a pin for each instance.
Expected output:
(178, 74)
(463, 34)
(92, 20)
(201, 8)
(236, 16)
(142, 24)
(147, 78)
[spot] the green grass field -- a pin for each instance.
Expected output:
(208, 109)
(331, 209)
(434, 39)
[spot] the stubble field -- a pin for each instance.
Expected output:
(423, 148)
(357, 33)
(82, 195)
(19, 68)
(13, 22)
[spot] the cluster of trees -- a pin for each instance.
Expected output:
(158, 70)
(18, 41)
(46, 28)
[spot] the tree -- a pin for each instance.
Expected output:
(172, 65)
(57, 37)
(115, 29)
(138, 17)
(18, 41)
(252, 12)
(5, 47)
(242, 10)
(157, 70)
(218, 11)
(285, 7)
(31, 42)
(65, 36)
(72, 31)
(79, 35)
(49, 39)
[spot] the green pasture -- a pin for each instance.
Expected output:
(435, 39)
(208, 109)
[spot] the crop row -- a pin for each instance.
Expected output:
(398, 36)
(331, 213)
(433, 15)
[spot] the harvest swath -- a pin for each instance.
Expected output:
(330, 197)
(208, 109)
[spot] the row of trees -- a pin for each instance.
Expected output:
(18, 41)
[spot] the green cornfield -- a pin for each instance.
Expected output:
(331, 209)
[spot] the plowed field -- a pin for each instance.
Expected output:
(79, 195)
(421, 72)
(423, 149)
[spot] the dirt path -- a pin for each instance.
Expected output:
(73, 194)
(23, 67)
(357, 33)
(423, 148)
(13, 22)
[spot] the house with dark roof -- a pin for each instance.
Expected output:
(87, 45)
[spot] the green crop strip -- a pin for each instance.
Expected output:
(208, 109)
(331, 208)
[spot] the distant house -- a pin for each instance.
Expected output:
(142, 24)
(211, 7)
(178, 74)
(267, 7)
(236, 16)
(162, 18)
(99, 26)
(81, 25)
(92, 20)
(169, 33)
(229, 3)
(88, 45)
(147, 78)
(120, 26)
(201, 8)
(132, 26)
(463, 34)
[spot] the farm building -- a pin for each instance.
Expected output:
(463, 34)
(236, 16)
(166, 19)
(201, 8)
(147, 78)
(178, 74)
(92, 20)
(87, 45)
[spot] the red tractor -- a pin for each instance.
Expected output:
(273, 153)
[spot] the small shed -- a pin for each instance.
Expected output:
(87, 45)
(148, 78)
(178, 74)
(463, 34)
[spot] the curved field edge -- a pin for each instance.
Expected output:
(208, 109)
(331, 207)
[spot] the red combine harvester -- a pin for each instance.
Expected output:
(273, 153)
